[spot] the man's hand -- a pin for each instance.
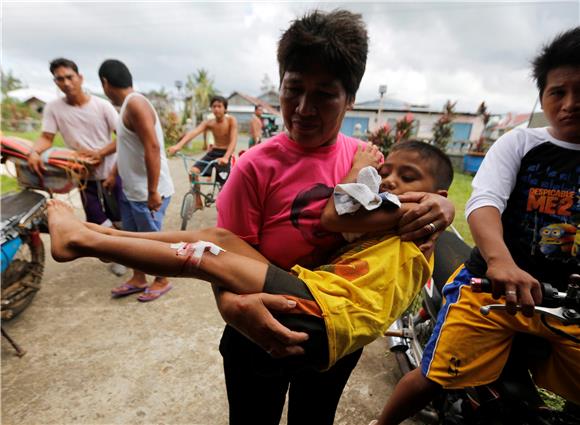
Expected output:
(518, 286)
(109, 182)
(35, 163)
(251, 316)
(428, 219)
(95, 156)
(154, 201)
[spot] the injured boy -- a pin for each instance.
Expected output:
(342, 306)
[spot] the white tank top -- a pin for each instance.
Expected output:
(131, 159)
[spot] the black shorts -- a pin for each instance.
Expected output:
(306, 317)
(222, 171)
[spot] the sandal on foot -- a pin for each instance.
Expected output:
(153, 294)
(126, 289)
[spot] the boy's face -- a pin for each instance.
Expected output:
(313, 104)
(218, 109)
(561, 103)
(405, 171)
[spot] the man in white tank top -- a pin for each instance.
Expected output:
(142, 165)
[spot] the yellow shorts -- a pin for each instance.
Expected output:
(470, 349)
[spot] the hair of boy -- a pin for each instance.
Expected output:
(116, 73)
(257, 107)
(64, 63)
(564, 50)
(220, 99)
(440, 165)
(338, 40)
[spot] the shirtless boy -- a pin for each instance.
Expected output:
(225, 132)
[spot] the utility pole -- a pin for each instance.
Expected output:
(382, 91)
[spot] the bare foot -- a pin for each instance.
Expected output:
(65, 231)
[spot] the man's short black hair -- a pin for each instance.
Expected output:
(258, 107)
(338, 40)
(62, 62)
(116, 73)
(220, 99)
(441, 168)
(564, 50)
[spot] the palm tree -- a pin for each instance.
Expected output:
(200, 89)
(443, 127)
(485, 117)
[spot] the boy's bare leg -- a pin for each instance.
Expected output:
(221, 237)
(411, 394)
(70, 239)
(195, 181)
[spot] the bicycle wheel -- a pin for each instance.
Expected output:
(21, 279)
(187, 209)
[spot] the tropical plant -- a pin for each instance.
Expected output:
(172, 127)
(404, 127)
(199, 90)
(9, 82)
(442, 129)
(383, 138)
(485, 117)
(14, 113)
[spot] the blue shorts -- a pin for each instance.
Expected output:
(137, 217)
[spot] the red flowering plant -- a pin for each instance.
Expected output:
(404, 127)
(383, 138)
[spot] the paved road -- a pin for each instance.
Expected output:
(94, 360)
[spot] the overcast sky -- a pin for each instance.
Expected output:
(425, 52)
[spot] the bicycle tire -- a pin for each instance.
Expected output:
(21, 279)
(187, 209)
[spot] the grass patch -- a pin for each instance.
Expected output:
(7, 184)
(459, 193)
(34, 135)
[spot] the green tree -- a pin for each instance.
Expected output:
(442, 129)
(172, 128)
(200, 89)
(9, 82)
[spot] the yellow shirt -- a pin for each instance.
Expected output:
(365, 289)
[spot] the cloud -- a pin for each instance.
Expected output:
(425, 52)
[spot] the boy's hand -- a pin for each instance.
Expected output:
(428, 219)
(367, 154)
(250, 315)
(223, 161)
(172, 150)
(518, 286)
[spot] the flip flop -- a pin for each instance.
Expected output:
(126, 289)
(153, 294)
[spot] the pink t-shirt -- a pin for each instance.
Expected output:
(275, 195)
(88, 127)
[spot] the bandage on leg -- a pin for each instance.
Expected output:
(194, 251)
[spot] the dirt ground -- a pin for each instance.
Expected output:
(96, 360)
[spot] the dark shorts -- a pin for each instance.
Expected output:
(222, 171)
(99, 204)
(306, 317)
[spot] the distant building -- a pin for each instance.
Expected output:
(35, 99)
(370, 115)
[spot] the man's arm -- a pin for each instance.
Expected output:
(141, 118)
(233, 123)
(487, 230)
(255, 129)
(43, 143)
(172, 150)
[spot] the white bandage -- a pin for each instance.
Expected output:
(194, 251)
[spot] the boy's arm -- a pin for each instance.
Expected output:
(520, 287)
(187, 137)
(142, 119)
(233, 140)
